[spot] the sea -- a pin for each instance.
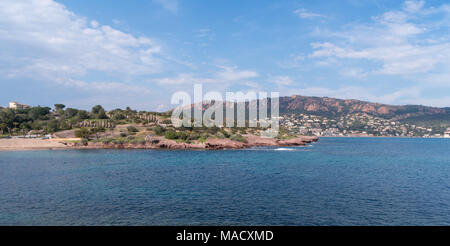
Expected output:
(336, 181)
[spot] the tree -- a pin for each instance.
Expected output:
(132, 129)
(118, 116)
(59, 107)
(64, 125)
(82, 115)
(7, 117)
(39, 112)
(70, 112)
(3, 128)
(159, 130)
(102, 114)
(96, 109)
(86, 133)
(83, 133)
(24, 127)
(96, 130)
(129, 112)
(98, 112)
(52, 126)
(173, 135)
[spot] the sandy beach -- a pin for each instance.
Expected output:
(15, 144)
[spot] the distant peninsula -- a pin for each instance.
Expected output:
(25, 127)
(302, 120)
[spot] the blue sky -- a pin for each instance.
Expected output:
(138, 52)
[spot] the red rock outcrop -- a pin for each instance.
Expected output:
(259, 141)
(170, 144)
(292, 142)
(223, 144)
(309, 139)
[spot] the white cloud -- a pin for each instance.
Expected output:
(205, 33)
(94, 24)
(161, 108)
(355, 92)
(414, 6)
(104, 87)
(282, 80)
(43, 40)
(233, 74)
(170, 5)
(435, 80)
(401, 95)
(294, 61)
(228, 74)
(183, 79)
(394, 40)
(354, 72)
(435, 102)
(304, 14)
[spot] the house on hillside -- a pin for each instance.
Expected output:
(16, 105)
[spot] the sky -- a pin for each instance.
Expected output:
(137, 53)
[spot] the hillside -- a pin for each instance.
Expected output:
(300, 115)
(333, 116)
(336, 107)
(340, 117)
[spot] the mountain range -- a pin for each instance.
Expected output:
(333, 108)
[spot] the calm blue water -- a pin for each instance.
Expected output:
(338, 181)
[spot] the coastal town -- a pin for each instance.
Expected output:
(357, 125)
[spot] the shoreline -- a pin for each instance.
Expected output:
(381, 137)
(15, 144)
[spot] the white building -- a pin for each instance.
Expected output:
(16, 105)
(447, 133)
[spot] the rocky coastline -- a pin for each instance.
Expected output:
(209, 144)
